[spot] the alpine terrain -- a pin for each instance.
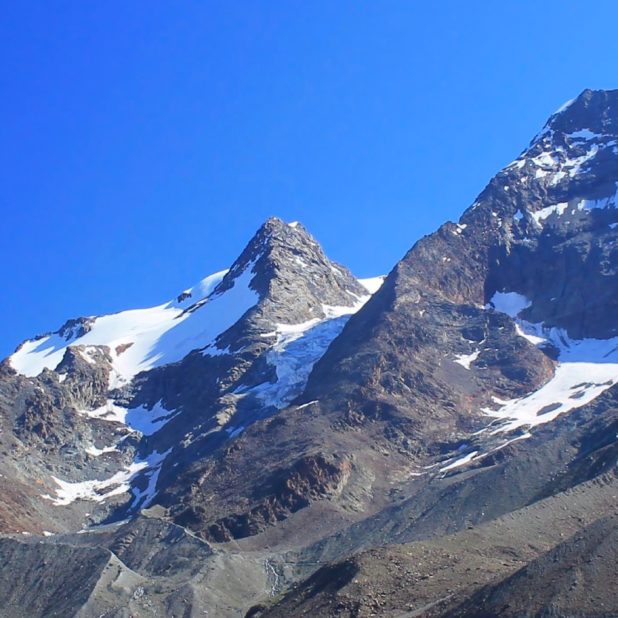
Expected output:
(283, 439)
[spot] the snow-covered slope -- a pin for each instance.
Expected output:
(141, 339)
(372, 284)
(586, 368)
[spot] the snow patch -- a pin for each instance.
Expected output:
(544, 213)
(586, 368)
(465, 360)
(306, 405)
(146, 421)
(96, 491)
(461, 461)
(96, 452)
(510, 303)
(582, 134)
(202, 289)
(119, 483)
(604, 202)
(157, 336)
(563, 107)
(142, 498)
(296, 350)
(372, 284)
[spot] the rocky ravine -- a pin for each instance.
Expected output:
(274, 441)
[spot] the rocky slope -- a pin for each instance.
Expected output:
(455, 357)
(108, 407)
(278, 441)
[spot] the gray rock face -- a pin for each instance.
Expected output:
(458, 413)
(576, 578)
(144, 568)
(300, 291)
(32, 587)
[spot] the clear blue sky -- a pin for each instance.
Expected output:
(144, 142)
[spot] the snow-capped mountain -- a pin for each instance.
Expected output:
(234, 348)
(283, 439)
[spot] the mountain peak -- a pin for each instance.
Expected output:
(278, 259)
(470, 400)
(274, 231)
(593, 110)
(285, 256)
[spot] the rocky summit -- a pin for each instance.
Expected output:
(284, 439)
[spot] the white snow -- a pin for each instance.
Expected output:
(533, 339)
(306, 405)
(510, 303)
(608, 201)
(583, 134)
(561, 162)
(545, 159)
(144, 497)
(563, 107)
(372, 284)
(523, 436)
(95, 452)
(557, 177)
(89, 355)
(141, 419)
(577, 163)
(585, 369)
(465, 360)
(156, 336)
(338, 311)
(296, 350)
(119, 483)
(108, 412)
(460, 462)
(95, 490)
(202, 289)
(544, 213)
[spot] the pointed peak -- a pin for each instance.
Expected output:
(275, 228)
(593, 110)
(280, 253)
(273, 235)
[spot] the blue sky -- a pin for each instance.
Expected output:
(144, 142)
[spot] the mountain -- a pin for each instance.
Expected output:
(113, 403)
(283, 439)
